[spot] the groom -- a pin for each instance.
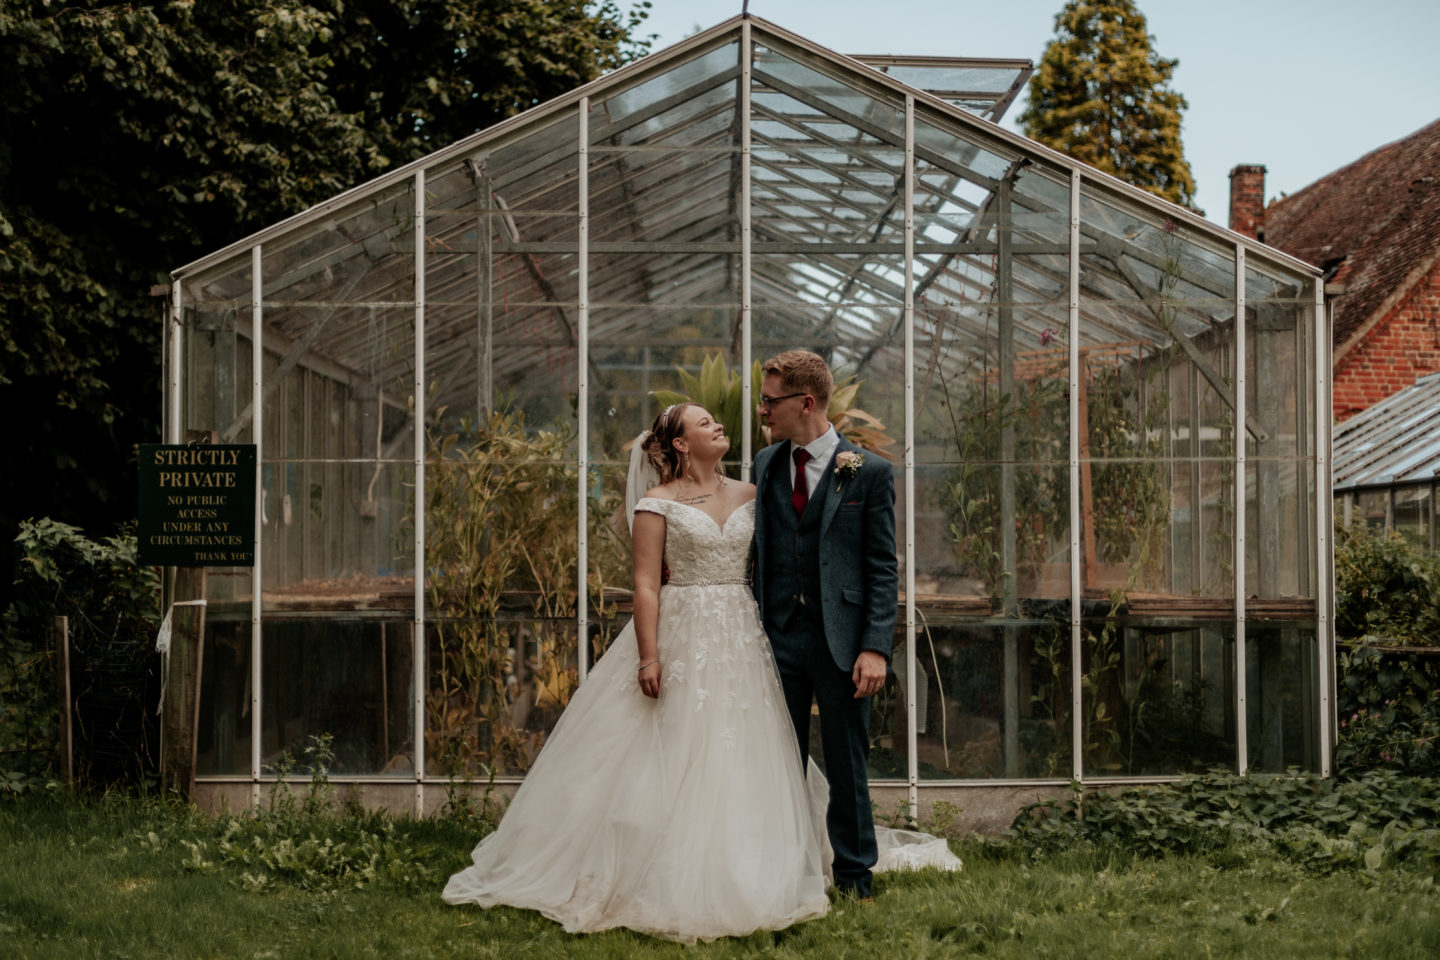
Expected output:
(826, 581)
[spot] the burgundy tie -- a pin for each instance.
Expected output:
(801, 496)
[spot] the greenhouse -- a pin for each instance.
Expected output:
(1108, 420)
(1387, 465)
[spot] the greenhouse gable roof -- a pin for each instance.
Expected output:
(897, 74)
(814, 151)
(1396, 441)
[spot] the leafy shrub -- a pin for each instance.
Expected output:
(313, 851)
(1389, 709)
(1387, 594)
(1377, 821)
(312, 842)
(1386, 590)
(112, 605)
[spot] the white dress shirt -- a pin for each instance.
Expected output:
(820, 450)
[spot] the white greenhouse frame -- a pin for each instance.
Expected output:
(769, 228)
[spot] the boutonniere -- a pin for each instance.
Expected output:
(847, 464)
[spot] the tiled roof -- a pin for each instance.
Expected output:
(1375, 223)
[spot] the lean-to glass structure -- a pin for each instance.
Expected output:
(1387, 465)
(1108, 420)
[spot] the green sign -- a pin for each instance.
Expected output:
(197, 505)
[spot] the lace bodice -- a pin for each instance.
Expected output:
(697, 549)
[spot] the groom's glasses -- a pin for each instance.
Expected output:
(771, 401)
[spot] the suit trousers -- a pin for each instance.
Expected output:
(807, 669)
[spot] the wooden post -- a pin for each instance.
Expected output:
(62, 690)
(181, 711)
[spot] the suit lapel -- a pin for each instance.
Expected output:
(764, 460)
(833, 497)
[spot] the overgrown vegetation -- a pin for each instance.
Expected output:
(316, 841)
(1389, 709)
(501, 557)
(1380, 820)
(1029, 426)
(1387, 622)
(111, 605)
(117, 876)
(139, 136)
(1386, 590)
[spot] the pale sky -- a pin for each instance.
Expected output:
(1301, 86)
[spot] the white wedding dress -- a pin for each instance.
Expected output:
(684, 817)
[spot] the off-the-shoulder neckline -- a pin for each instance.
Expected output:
(720, 526)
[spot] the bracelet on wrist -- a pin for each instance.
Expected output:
(647, 663)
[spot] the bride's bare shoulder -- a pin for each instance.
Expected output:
(744, 492)
(666, 491)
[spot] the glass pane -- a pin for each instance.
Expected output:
(1158, 696)
(963, 549)
(675, 352)
(222, 731)
(348, 679)
(1279, 321)
(217, 379)
(803, 191)
(336, 533)
(501, 310)
(665, 106)
(663, 197)
(841, 297)
(494, 691)
(1372, 508)
(1280, 561)
(702, 274)
(607, 546)
(1412, 515)
(828, 105)
(226, 286)
(500, 523)
(992, 405)
(322, 282)
(537, 171)
(1199, 557)
(992, 701)
(323, 398)
(1282, 696)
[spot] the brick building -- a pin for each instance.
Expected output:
(1374, 226)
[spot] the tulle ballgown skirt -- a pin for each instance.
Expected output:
(685, 817)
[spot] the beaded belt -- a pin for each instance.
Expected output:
(704, 583)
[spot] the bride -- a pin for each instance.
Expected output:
(670, 798)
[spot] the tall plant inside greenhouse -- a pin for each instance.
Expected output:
(1102, 95)
(502, 584)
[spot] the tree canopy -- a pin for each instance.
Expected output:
(1101, 95)
(135, 137)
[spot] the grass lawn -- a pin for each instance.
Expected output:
(122, 877)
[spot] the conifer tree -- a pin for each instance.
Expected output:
(1101, 95)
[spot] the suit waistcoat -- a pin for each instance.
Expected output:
(792, 552)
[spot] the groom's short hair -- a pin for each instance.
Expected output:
(801, 370)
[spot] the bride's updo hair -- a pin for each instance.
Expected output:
(669, 426)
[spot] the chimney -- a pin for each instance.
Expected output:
(1247, 200)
